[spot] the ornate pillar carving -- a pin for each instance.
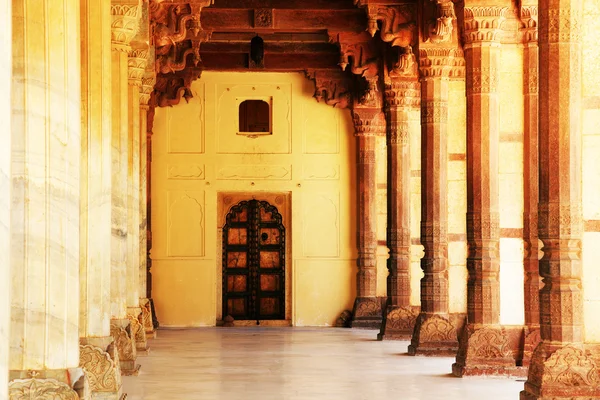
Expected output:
(5, 187)
(145, 91)
(125, 24)
(137, 60)
(368, 123)
(560, 368)
(402, 102)
(482, 54)
(434, 333)
(532, 280)
(95, 204)
(45, 156)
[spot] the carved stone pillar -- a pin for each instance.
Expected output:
(125, 19)
(402, 98)
(137, 60)
(483, 331)
(45, 155)
(5, 187)
(97, 348)
(560, 368)
(368, 123)
(529, 16)
(434, 333)
(146, 89)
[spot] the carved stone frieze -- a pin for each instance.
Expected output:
(136, 65)
(443, 62)
(40, 389)
(263, 18)
(560, 25)
(332, 87)
(126, 16)
(434, 334)
(483, 24)
(101, 367)
(399, 323)
(367, 312)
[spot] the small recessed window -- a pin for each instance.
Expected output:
(255, 117)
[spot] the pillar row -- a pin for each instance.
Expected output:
(125, 20)
(434, 333)
(98, 355)
(44, 213)
(402, 104)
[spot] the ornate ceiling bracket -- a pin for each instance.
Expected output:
(398, 26)
(332, 87)
(529, 24)
(177, 35)
(483, 24)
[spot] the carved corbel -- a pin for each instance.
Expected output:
(398, 25)
(171, 87)
(136, 64)
(333, 88)
(529, 24)
(440, 29)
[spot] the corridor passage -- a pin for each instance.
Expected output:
(298, 364)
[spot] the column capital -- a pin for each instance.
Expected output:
(441, 62)
(368, 121)
(482, 25)
(529, 19)
(147, 86)
(136, 64)
(125, 23)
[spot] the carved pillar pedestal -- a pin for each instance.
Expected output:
(124, 339)
(99, 358)
(146, 318)
(402, 101)
(434, 334)
(368, 122)
(561, 368)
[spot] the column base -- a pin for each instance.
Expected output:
(367, 313)
(485, 350)
(532, 339)
(67, 384)
(102, 368)
(147, 313)
(434, 335)
(138, 331)
(399, 323)
(120, 330)
(560, 371)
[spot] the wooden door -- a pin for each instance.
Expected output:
(254, 262)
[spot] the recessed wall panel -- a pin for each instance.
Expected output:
(185, 224)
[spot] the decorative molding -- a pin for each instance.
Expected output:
(441, 62)
(126, 16)
(369, 121)
(35, 389)
(483, 24)
(147, 86)
(560, 25)
(529, 21)
(136, 65)
(263, 18)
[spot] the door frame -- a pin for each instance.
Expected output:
(281, 200)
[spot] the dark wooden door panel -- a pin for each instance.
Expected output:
(254, 262)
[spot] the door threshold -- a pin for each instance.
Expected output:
(262, 322)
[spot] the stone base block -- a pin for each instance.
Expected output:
(399, 323)
(138, 332)
(561, 372)
(532, 339)
(102, 369)
(434, 335)
(121, 331)
(61, 384)
(367, 313)
(146, 318)
(485, 350)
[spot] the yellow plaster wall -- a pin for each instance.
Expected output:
(510, 170)
(197, 154)
(591, 170)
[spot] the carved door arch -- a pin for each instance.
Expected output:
(254, 262)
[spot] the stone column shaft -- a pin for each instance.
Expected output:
(560, 211)
(44, 222)
(5, 188)
(125, 15)
(434, 334)
(402, 99)
(482, 56)
(97, 354)
(368, 122)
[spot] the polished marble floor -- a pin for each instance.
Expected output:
(298, 364)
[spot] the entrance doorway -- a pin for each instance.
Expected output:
(254, 262)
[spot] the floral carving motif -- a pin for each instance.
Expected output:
(125, 343)
(40, 389)
(367, 307)
(489, 344)
(102, 371)
(147, 315)
(435, 328)
(569, 366)
(263, 18)
(482, 24)
(401, 319)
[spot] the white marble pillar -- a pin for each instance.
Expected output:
(137, 60)
(5, 148)
(97, 354)
(44, 225)
(146, 89)
(125, 19)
